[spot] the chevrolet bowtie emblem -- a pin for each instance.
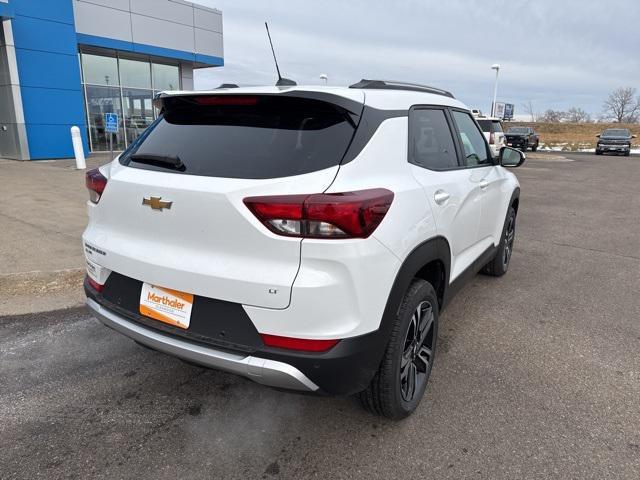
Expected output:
(156, 203)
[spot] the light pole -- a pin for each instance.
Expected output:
(495, 67)
(323, 76)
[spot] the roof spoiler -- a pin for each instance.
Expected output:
(352, 106)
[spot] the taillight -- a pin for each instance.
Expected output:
(300, 344)
(323, 215)
(96, 182)
(95, 285)
(492, 138)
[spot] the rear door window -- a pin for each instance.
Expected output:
(244, 136)
(431, 143)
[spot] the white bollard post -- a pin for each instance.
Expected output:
(78, 151)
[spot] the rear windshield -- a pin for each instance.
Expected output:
(490, 126)
(248, 136)
(518, 130)
(616, 132)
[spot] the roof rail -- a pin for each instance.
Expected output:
(393, 85)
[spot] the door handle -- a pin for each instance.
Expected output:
(440, 197)
(483, 184)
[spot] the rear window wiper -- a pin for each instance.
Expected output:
(172, 161)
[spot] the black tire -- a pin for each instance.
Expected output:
(626, 154)
(534, 148)
(406, 361)
(598, 152)
(500, 263)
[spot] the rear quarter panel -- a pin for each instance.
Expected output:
(342, 287)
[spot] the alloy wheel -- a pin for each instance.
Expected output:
(509, 237)
(417, 355)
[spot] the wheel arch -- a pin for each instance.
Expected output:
(514, 201)
(431, 261)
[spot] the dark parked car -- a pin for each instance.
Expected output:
(616, 140)
(523, 138)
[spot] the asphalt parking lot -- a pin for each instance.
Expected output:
(537, 373)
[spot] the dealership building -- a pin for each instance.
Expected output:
(69, 62)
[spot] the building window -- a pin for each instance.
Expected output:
(100, 70)
(124, 86)
(138, 111)
(135, 74)
(165, 77)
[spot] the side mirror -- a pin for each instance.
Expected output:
(634, 136)
(510, 157)
(598, 135)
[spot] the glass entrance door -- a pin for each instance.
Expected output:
(101, 100)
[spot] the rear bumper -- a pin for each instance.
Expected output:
(261, 370)
(345, 369)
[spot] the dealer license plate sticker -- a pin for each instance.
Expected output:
(166, 305)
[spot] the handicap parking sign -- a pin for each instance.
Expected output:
(111, 122)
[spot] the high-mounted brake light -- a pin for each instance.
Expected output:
(323, 215)
(300, 344)
(96, 183)
(227, 100)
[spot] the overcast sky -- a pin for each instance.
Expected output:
(556, 53)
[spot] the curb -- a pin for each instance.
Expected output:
(46, 315)
(40, 291)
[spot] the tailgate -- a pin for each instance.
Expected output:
(207, 242)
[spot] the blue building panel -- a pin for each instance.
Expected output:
(44, 35)
(209, 60)
(48, 69)
(112, 43)
(52, 10)
(50, 82)
(51, 141)
(50, 114)
(123, 46)
(6, 10)
(53, 106)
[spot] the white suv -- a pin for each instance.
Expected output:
(493, 132)
(303, 237)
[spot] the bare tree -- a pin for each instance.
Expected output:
(528, 109)
(577, 115)
(553, 116)
(623, 105)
